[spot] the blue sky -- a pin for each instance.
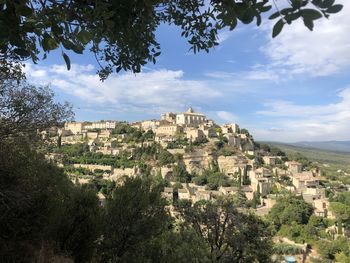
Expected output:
(295, 87)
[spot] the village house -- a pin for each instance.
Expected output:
(169, 117)
(190, 118)
(163, 139)
(101, 125)
(260, 172)
(168, 193)
(270, 160)
(261, 180)
(248, 192)
(91, 135)
(262, 185)
(233, 140)
(228, 190)
(149, 125)
(104, 134)
(184, 194)
(166, 172)
(74, 127)
(304, 180)
(322, 208)
(208, 131)
(193, 134)
(232, 165)
(194, 188)
(294, 167)
(197, 160)
(71, 139)
(230, 128)
(168, 130)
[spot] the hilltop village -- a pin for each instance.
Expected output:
(195, 158)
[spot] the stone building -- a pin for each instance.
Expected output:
(149, 125)
(74, 127)
(193, 134)
(168, 130)
(168, 116)
(230, 128)
(270, 160)
(294, 167)
(103, 125)
(190, 118)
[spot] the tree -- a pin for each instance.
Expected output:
(121, 34)
(43, 214)
(41, 210)
(290, 209)
(180, 174)
(165, 157)
(133, 216)
(229, 235)
(74, 224)
(24, 109)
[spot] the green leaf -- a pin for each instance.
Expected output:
(327, 3)
(287, 11)
(66, 59)
(277, 28)
(45, 42)
(248, 16)
(25, 10)
(334, 9)
(265, 8)
(309, 24)
(84, 37)
(233, 23)
(311, 14)
(258, 20)
(291, 17)
(52, 43)
(21, 52)
(77, 48)
(274, 15)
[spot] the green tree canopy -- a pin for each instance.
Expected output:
(133, 216)
(25, 108)
(290, 209)
(121, 34)
(228, 235)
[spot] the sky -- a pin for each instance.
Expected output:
(295, 87)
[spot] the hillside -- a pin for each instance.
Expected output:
(338, 146)
(332, 158)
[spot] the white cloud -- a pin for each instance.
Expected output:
(227, 116)
(149, 92)
(224, 35)
(256, 73)
(323, 52)
(308, 122)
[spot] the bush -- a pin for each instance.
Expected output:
(286, 249)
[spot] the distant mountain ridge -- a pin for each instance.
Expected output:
(338, 146)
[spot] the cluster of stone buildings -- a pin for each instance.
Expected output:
(196, 193)
(82, 127)
(192, 126)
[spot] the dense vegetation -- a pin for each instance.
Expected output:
(47, 218)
